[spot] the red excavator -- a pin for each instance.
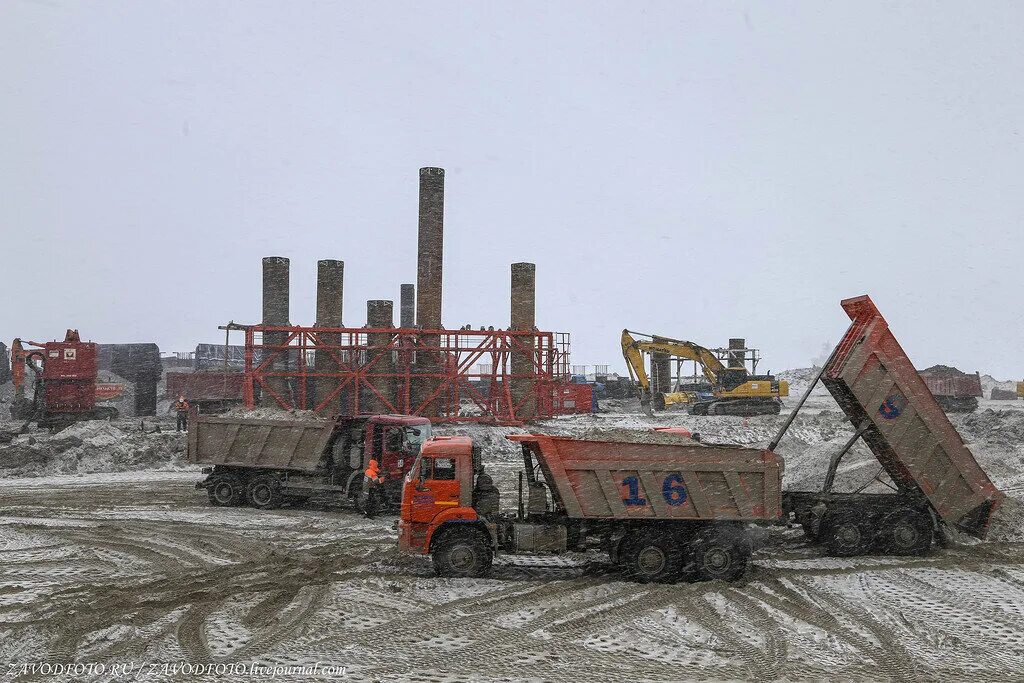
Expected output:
(66, 389)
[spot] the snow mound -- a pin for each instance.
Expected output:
(274, 414)
(93, 446)
(799, 376)
(988, 383)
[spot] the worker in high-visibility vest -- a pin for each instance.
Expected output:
(373, 481)
(181, 407)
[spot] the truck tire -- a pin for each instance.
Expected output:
(264, 492)
(225, 490)
(651, 556)
(845, 534)
(719, 552)
(461, 553)
(906, 532)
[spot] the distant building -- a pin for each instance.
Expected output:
(211, 356)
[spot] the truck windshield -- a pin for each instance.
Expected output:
(415, 436)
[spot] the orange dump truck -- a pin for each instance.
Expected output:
(662, 505)
(937, 480)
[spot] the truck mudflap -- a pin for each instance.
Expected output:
(881, 392)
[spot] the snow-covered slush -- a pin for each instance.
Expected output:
(95, 446)
(136, 566)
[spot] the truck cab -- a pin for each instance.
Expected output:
(393, 441)
(447, 501)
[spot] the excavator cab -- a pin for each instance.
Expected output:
(732, 378)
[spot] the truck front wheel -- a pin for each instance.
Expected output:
(462, 553)
(719, 553)
(264, 492)
(225, 490)
(651, 555)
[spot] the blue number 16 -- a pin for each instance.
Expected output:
(672, 489)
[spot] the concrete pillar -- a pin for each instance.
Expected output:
(406, 359)
(736, 356)
(430, 248)
(524, 317)
(275, 312)
(408, 306)
(379, 313)
(5, 365)
(330, 288)
(661, 377)
(430, 257)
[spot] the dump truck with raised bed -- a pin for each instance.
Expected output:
(662, 505)
(266, 463)
(936, 478)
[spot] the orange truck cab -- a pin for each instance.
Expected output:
(438, 507)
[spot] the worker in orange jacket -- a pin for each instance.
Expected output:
(181, 407)
(373, 481)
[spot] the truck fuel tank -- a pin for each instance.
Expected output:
(539, 538)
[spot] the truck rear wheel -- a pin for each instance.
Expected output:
(907, 532)
(845, 534)
(651, 556)
(264, 492)
(225, 490)
(462, 553)
(720, 552)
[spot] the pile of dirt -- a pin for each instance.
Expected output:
(618, 405)
(988, 383)
(996, 426)
(1007, 525)
(634, 436)
(93, 446)
(274, 414)
(799, 379)
(943, 371)
(799, 376)
(6, 397)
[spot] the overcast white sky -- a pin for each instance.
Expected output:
(700, 170)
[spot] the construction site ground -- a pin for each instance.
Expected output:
(136, 566)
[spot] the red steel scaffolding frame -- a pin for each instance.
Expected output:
(468, 372)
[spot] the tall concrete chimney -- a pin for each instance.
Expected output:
(430, 256)
(661, 377)
(524, 317)
(275, 312)
(408, 306)
(736, 353)
(330, 287)
(431, 248)
(379, 313)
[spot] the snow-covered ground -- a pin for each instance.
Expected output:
(135, 566)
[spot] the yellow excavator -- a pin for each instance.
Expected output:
(729, 390)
